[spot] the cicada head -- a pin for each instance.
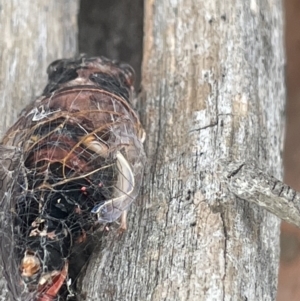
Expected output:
(112, 76)
(72, 161)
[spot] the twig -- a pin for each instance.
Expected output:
(252, 184)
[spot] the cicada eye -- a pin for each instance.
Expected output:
(53, 67)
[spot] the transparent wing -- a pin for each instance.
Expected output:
(9, 167)
(124, 192)
(9, 162)
(74, 159)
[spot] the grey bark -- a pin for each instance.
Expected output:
(213, 88)
(33, 33)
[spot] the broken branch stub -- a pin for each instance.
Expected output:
(252, 184)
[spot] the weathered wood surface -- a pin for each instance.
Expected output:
(33, 33)
(213, 88)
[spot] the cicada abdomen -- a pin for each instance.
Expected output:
(73, 159)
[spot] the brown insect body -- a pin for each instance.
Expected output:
(73, 159)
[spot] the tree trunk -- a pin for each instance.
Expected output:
(33, 33)
(212, 88)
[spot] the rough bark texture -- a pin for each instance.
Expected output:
(213, 88)
(33, 33)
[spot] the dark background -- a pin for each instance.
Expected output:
(114, 28)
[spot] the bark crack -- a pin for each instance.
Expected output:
(225, 250)
(212, 124)
(215, 123)
(236, 171)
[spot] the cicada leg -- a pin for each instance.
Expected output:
(51, 293)
(123, 222)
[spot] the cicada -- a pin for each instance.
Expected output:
(73, 160)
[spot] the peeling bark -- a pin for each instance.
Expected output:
(213, 89)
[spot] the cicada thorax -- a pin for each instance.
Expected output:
(81, 164)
